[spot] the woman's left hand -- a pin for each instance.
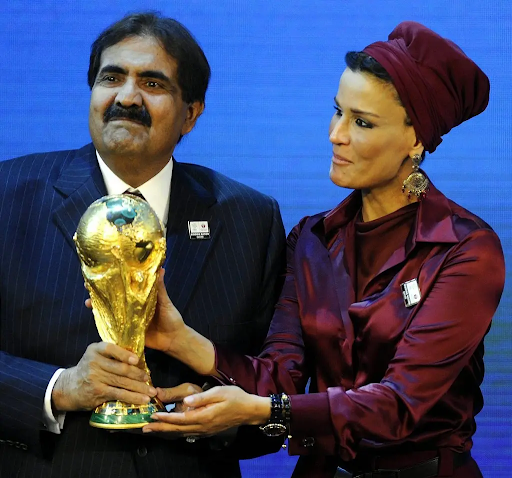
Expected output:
(212, 412)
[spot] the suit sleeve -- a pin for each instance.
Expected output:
(23, 382)
(448, 325)
(23, 385)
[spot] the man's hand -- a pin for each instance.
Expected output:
(105, 372)
(177, 394)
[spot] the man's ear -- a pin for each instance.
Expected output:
(194, 111)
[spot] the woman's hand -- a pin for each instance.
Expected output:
(167, 326)
(168, 333)
(212, 412)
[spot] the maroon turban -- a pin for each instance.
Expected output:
(440, 87)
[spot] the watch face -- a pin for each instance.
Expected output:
(273, 429)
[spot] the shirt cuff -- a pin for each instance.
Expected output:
(221, 363)
(310, 414)
(311, 427)
(52, 423)
(237, 369)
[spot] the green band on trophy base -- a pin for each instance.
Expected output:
(121, 416)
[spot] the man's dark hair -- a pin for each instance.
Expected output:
(178, 42)
(361, 61)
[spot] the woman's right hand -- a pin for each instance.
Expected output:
(167, 328)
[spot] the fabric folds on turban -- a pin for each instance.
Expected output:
(439, 86)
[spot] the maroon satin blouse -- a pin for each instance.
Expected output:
(374, 243)
(405, 378)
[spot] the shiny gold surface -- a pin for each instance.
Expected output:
(121, 246)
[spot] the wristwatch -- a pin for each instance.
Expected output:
(276, 424)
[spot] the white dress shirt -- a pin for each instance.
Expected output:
(156, 192)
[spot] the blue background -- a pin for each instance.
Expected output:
(275, 69)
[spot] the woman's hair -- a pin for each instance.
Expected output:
(360, 61)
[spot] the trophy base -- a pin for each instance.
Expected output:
(118, 415)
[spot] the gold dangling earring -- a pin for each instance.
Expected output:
(416, 183)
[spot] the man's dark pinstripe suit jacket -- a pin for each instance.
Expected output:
(225, 287)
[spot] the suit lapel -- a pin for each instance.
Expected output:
(189, 201)
(80, 184)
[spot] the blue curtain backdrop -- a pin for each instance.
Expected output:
(275, 69)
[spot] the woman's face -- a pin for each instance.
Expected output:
(370, 138)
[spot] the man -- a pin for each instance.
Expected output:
(148, 79)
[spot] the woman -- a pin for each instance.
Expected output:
(384, 305)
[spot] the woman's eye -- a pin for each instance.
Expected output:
(363, 124)
(152, 84)
(338, 110)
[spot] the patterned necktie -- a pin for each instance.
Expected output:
(134, 192)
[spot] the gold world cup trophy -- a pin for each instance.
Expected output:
(121, 246)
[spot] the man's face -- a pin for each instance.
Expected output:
(136, 107)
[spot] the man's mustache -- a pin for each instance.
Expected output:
(134, 113)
